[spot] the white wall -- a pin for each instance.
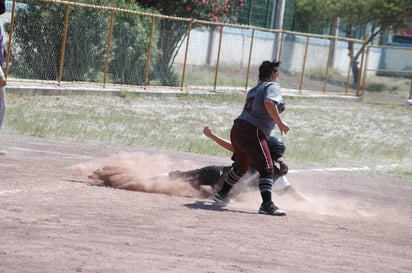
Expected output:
(236, 46)
(396, 59)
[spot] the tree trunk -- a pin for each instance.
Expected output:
(355, 70)
(172, 33)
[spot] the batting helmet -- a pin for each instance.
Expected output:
(276, 146)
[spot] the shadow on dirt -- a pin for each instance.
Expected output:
(208, 205)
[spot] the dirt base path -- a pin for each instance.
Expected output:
(54, 220)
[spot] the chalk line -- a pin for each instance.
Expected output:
(52, 152)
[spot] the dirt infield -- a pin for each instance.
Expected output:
(55, 220)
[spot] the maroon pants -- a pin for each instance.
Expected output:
(251, 148)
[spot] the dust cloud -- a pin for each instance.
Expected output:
(138, 172)
(149, 173)
(333, 206)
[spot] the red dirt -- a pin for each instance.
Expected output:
(55, 220)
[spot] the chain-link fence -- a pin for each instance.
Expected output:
(389, 68)
(65, 42)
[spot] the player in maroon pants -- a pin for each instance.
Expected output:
(249, 137)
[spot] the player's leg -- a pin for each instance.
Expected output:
(2, 104)
(241, 137)
(233, 176)
(2, 112)
(265, 188)
(262, 160)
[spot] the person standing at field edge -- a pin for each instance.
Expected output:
(249, 135)
(2, 77)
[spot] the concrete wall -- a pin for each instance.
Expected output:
(396, 59)
(236, 46)
(234, 51)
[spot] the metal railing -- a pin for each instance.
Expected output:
(397, 61)
(309, 62)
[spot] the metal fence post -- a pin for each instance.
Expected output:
(63, 48)
(218, 58)
(304, 64)
(149, 53)
(109, 41)
(282, 38)
(250, 58)
(189, 29)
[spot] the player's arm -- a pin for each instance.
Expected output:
(272, 109)
(221, 141)
(2, 78)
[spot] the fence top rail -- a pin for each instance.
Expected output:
(108, 8)
(323, 36)
(390, 47)
(210, 23)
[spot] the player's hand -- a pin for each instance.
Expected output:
(283, 168)
(2, 82)
(284, 128)
(207, 131)
(276, 171)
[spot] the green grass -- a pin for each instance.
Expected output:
(324, 132)
(201, 76)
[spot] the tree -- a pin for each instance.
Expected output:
(38, 34)
(354, 14)
(128, 53)
(172, 32)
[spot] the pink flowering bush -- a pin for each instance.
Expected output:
(212, 10)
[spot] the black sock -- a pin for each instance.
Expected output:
(265, 187)
(266, 196)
